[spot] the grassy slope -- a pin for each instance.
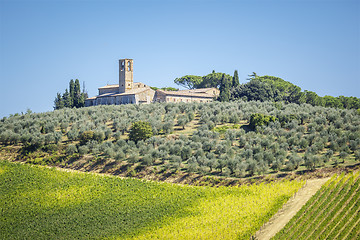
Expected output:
(332, 213)
(44, 203)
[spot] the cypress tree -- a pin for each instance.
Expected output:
(77, 93)
(235, 80)
(59, 102)
(81, 100)
(67, 99)
(224, 89)
(72, 92)
(72, 98)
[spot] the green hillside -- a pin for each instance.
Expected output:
(45, 203)
(332, 213)
(216, 139)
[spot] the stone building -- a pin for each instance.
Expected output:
(125, 92)
(193, 95)
(128, 92)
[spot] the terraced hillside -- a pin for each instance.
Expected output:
(332, 213)
(218, 139)
(45, 203)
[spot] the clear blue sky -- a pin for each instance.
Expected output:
(314, 44)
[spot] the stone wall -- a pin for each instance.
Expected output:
(146, 96)
(105, 101)
(176, 99)
(163, 97)
(159, 96)
(127, 99)
(213, 91)
(108, 90)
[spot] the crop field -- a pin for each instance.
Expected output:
(332, 213)
(45, 203)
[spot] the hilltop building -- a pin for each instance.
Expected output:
(128, 92)
(192, 95)
(125, 92)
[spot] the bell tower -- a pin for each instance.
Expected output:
(126, 79)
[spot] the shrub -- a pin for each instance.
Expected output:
(57, 137)
(182, 121)
(109, 152)
(168, 127)
(357, 155)
(119, 155)
(133, 158)
(71, 149)
(175, 150)
(258, 119)
(147, 160)
(175, 162)
(83, 150)
(140, 131)
(99, 136)
(86, 136)
(343, 155)
(64, 126)
(72, 135)
(50, 148)
(310, 161)
(186, 152)
(117, 135)
(192, 167)
(108, 133)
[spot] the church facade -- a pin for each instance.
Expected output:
(128, 92)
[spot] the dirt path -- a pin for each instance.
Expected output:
(283, 216)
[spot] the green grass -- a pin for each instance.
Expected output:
(45, 203)
(332, 213)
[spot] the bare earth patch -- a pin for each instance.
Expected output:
(283, 216)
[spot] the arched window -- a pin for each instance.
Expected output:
(129, 66)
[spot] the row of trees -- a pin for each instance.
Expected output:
(214, 79)
(263, 88)
(71, 98)
(218, 80)
(269, 88)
